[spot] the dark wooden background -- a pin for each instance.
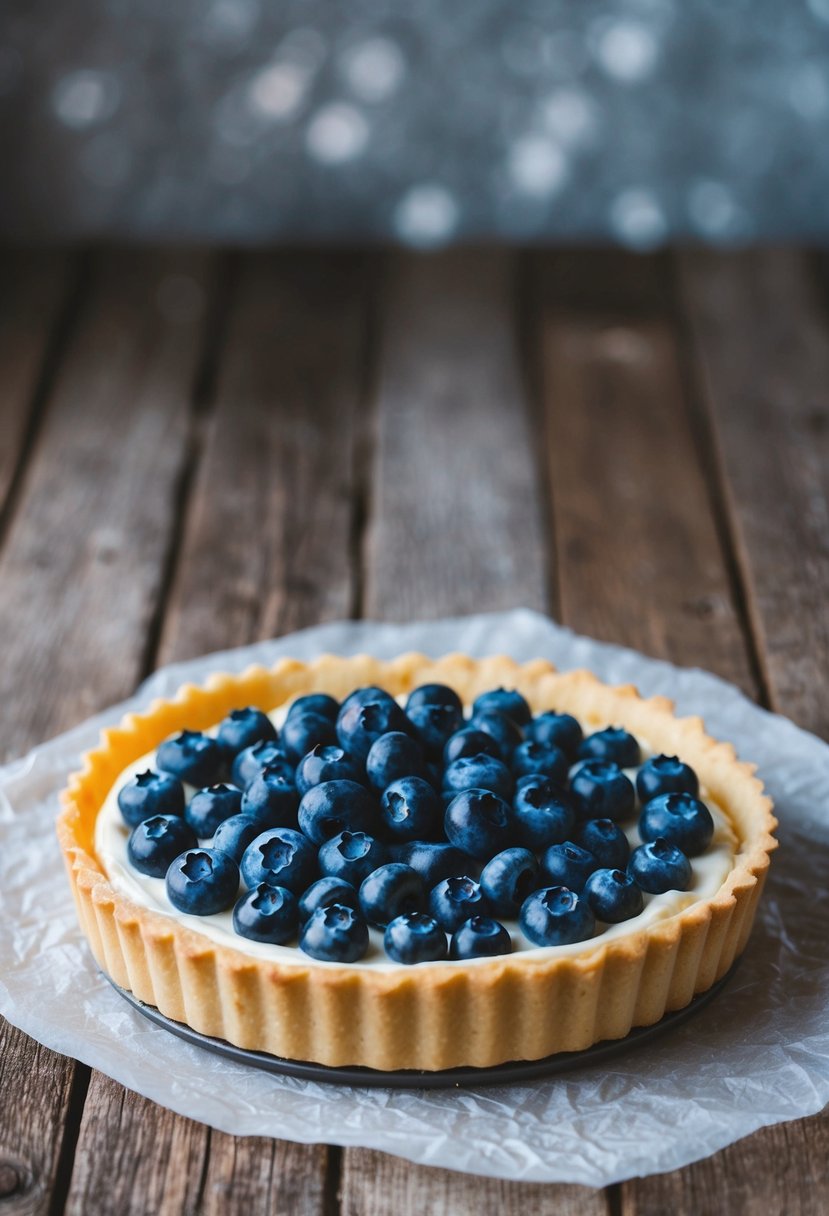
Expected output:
(198, 450)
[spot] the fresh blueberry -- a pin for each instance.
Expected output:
(479, 937)
(665, 775)
(508, 879)
(156, 842)
(271, 798)
(147, 794)
(414, 937)
(469, 742)
(681, 819)
(325, 763)
(361, 696)
(391, 756)
(315, 703)
(337, 806)
(567, 865)
(606, 841)
(556, 916)
(613, 895)
(391, 890)
(323, 893)
(235, 834)
(301, 732)
(410, 809)
(659, 866)
(250, 762)
(560, 730)
(435, 713)
(242, 728)
(361, 723)
(545, 758)
(602, 790)
(210, 807)
(479, 823)
(434, 861)
(506, 732)
(614, 744)
(202, 882)
(433, 694)
(192, 757)
(504, 701)
(266, 914)
(335, 934)
(479, 772)
(281, 857)
(352, 856)
(454, 900)
(543, 812)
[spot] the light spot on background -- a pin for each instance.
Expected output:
(712, 209)
(86, 97)
(277, 91)
(627, 50)
(570, 115)
(809, 91)
(231, 21)
(337, 133)
(537, 166)
(427, 214)
(637, 219)
(374, 69)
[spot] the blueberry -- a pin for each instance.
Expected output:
(454, 900)
(335, 934)
(479, 823)
(337, 806)
(414, 938)
(302, 731)
(352, 856)
(192, 757)
(235, 834)
(613, 895)
(469, 742)
(210, 807)
(479, 937)
(361, 696)
(504, 701)
(681, 819)
(556, 916)
(434, 862)
(281, 857)
(391, 890)
(324, 892)
(659, 866)
(410, 809)
(567, 865)
(433, 694)
(202, 882)
(156, 842)
(325, 763)
(266, 914)
(665, 775)
(506, 733)
(391, 756)
(543, 812)
(602, 791)
(435, 713)
(545, 758)
(614, 744)
(508, 879)
(479, 772)
(147, 794)
(250, 762)
(315, 703)
(242, 728)
(361, 723)
(606, 841)
(560, 730)
(271, 798)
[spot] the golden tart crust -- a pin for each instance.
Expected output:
(432, 1016)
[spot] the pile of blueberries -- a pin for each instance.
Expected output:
(416, 821)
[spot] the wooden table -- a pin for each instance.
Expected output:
(204, 449)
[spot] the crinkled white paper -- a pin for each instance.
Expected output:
(758, 1054)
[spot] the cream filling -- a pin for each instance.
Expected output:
(111, 835)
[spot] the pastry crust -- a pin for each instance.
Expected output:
(432, 1016)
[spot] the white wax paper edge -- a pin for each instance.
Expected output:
(759, 1054)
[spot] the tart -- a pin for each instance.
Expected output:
(558, 973)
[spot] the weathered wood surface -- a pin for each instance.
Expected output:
(192, 462)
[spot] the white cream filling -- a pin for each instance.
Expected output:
(111, 836)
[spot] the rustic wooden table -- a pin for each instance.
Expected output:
(200, 450)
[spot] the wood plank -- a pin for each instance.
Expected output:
(456, 527)
(78, 577)
(266, 546)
